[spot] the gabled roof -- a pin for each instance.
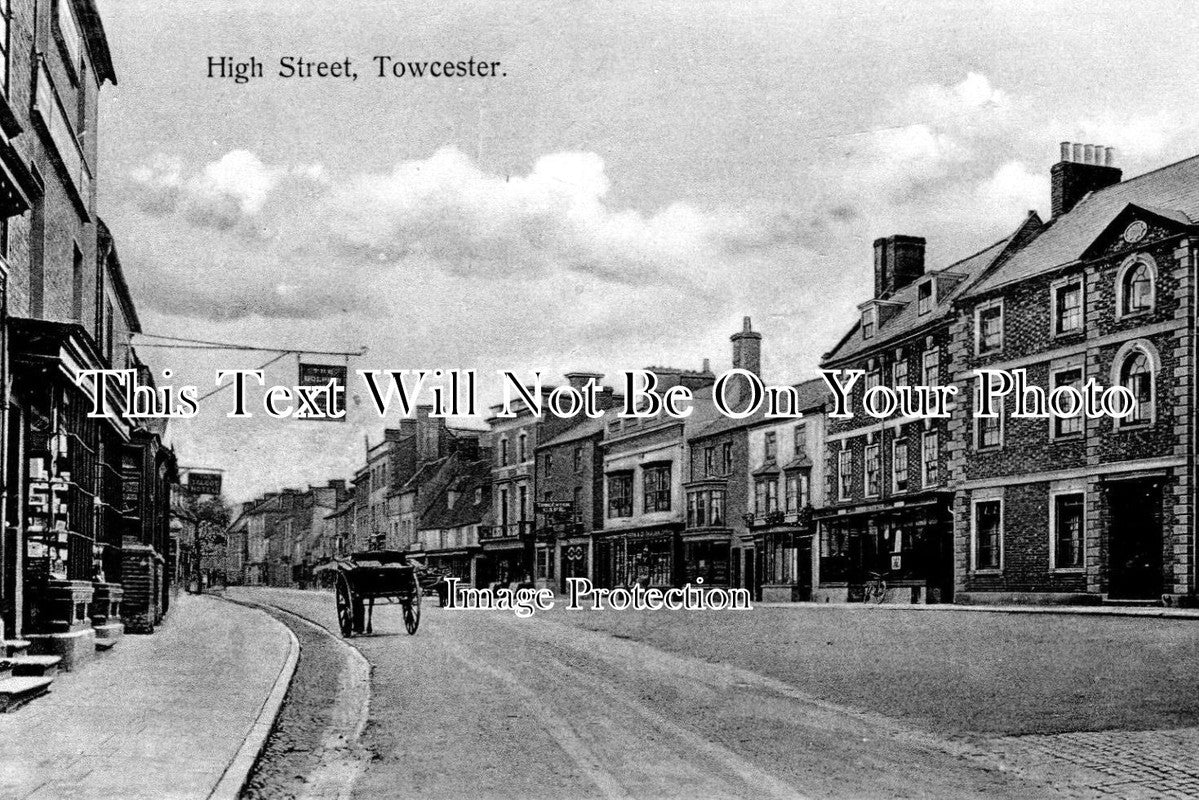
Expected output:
(905, 317)
(1171, 191)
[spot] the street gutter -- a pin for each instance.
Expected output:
(234, 778)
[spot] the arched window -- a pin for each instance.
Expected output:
(1136, 287)
(1136, 374)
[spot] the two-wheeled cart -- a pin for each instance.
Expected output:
(363, 578)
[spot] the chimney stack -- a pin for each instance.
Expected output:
(898, 260)
(1084, 168)
(579, 378)
(747, 348)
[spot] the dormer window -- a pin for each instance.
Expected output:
(924, 297)
(869, 322)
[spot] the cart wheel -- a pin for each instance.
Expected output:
(359, 613)
(412, 612)
(345, 606)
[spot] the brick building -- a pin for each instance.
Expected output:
(1084, 509)
(644, 505)
(86, 532)
(569, 484)
(888, 497)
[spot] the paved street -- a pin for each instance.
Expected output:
(778, 702)
(159, 717)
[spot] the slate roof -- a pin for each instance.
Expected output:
(905, 317)
(468, 476)
(587, 427)
(1171, 191)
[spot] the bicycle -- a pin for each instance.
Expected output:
(876, 587)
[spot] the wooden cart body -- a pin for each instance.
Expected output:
(363, 578)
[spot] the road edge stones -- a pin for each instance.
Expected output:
(238, 772)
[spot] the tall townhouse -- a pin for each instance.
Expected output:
(888, 501)
(1081, 508)
(644, 506)
(458, 507)
(508, 543)
(87, 500)
(718, 546)
(781, 485)
(569, 473)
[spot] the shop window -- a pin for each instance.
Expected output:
(1067, 526)
(657, 488)
(988, 535)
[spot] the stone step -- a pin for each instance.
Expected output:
(14, 646)
(108, 635)
(16, 692)
(35, 666)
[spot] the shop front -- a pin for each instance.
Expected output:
(649, 556)
(892, 553)
(68, 505)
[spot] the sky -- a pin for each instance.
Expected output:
(642, 176)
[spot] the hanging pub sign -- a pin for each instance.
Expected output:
(204, 483)
(328, 405)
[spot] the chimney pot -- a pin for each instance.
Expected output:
(708, 364)
(746, 326)
(1088, 169)
(1109, 156)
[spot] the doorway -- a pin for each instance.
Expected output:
(1135, 540)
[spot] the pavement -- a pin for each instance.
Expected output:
(180, 714)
